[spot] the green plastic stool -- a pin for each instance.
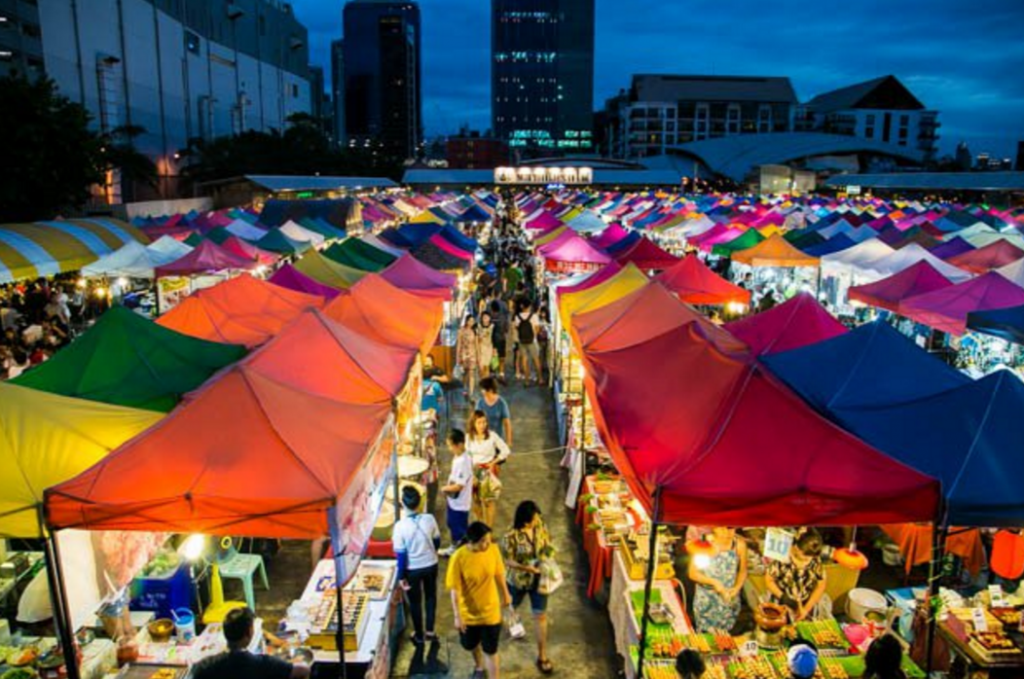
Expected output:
(243, 567)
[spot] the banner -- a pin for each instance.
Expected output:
(171, 291)
(355, 514)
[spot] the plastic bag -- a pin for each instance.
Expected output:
(551, 577)
(458, 372)
(488, 485)
(516, 630)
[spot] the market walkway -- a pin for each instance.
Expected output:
(581, 641)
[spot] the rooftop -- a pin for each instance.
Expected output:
(318, 183)
(653, 87)
(936, 181)
(886, 92)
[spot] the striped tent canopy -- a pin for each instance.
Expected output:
(49, 248)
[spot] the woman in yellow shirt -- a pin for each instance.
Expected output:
(476, 578)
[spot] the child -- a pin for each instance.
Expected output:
(459, 489)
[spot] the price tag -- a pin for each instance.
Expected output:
(777, 543)
(997, 598)
(748, 649)
(979, 620)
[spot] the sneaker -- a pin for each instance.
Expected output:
(446, 551)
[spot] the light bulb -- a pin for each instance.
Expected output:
(194, 546)
(702, 561)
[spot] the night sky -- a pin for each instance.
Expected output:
(964, 58)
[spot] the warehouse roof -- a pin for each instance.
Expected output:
(938, 181)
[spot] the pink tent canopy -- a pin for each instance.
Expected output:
(889, 292)
(411, 274)
(293, 279)
(448, 247)
(946, 309)
(610, 236)
(992, 256)
(545, 221)
(205, 257)
(242, 248)
(793, 324)
(571, 252)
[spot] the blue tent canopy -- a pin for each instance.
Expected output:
(879, 386)
(873, 366)
(458, 239)
(833, 244)
(417, 234)
(631, 239)
(474, 214)
(1006, 324)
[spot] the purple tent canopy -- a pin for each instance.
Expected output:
(293, 279)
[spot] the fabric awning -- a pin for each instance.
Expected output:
(774, 251)
(795, 323)
(695, 283)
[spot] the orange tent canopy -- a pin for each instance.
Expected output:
(241, 310)
(379, 310)
(774, 251)
(334, 361)
(645, 313)
(249, 455)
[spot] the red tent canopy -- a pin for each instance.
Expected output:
(730, 446)
(205, 257)
(645, 313)
(695, 283)
(412, 275)
(328, 359)
(389, 314)
(946, 309)
(646, 254)
(793, 324)
(992, 256)
(889, 292)
(241, 310)
(248, 455)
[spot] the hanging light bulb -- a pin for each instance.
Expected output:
(701, 550)
(193, 547)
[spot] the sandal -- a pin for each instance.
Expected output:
(545, 666)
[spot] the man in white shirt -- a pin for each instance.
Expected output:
(416, 539)
(459, 489)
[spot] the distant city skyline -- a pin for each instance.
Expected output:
(966, 65)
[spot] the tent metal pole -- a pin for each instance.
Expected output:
(58, 599)
(339, 634)
(940, 529)
(652, 562)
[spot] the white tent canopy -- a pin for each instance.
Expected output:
(861, 260)
(136, 260)
(302, 234)
(587, 221)
(913, 253)
(381, 244)
(1014, 272)
(166, 249)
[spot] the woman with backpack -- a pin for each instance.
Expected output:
(527, 328)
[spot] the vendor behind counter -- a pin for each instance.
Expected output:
(238, 662)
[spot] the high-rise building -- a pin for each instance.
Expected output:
(381, 53)
(320, 101)
(542, 75)
(179, 70)
(21, 39)
(882, 109)
(1019, 165)
(338, 91)
(661, 111)
(470, 150)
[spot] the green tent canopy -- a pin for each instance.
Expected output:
(275, 241)
(749, 239)
(194, 240)
(218, 235)
(128, 360)
(361, 255)
(327, 271)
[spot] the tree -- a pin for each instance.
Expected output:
(118, 152)
(50, 157)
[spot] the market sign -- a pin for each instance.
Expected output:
(544, 175)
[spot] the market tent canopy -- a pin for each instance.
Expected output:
(301, 234)
(166, 249)
(46, 439)
(242, 310)
(328, 359)
(873, 366)
(645, 254)
(207, 256)
(862, 260)
(912, 254)
(125, 359)
(727, 445)
(389, 314)
(992, 256)
(248, 455)
(247, 250)
(133, 260)
(327, 271)
(695, 283)
(277, 241)
(637, 317)
(628, 279)
(946, 309)
(795, 323)
(293, 279)
(774, 251)
(410, 274)
(746, 240)
(59, 246)
(355, 253)
(1006, 324)
(889, 292)
(951, 248)
(571, 252)
(589, 280)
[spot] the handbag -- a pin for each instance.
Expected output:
(516, 630)
(488, 485)
(551, 577)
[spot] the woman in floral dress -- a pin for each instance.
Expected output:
(716, 600)
(467, 354)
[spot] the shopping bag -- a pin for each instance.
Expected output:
(551, 577)
(488, 485)
(516, 630)
(458, 372)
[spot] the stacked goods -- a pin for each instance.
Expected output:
(823, 633)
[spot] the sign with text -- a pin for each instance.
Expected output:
(777, 543)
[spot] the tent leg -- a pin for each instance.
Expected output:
(339, 634)
(58, 599)
(652, 562)
(939, 532)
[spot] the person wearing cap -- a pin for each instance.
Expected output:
(416, 539)
(802, 661)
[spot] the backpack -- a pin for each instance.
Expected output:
(525, 329)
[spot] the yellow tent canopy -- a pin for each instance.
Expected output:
(621, 284)
(46, 439)
(549, 236)
(327, 271)
(774, 251)
(426, 217)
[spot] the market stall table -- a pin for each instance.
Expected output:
(915, 543)
(970, 661)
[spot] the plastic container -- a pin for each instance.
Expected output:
(162, 595)
(862, 600)
(184, 625)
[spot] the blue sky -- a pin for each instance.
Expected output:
(963, 58)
